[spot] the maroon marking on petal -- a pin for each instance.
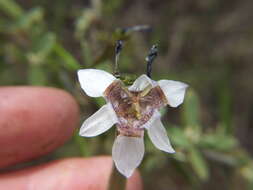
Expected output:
(129, 131)
(133, 110)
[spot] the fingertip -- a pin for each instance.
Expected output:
(34, 121)
(134, 182)
(74, 173)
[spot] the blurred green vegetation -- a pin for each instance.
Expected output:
(207, 44)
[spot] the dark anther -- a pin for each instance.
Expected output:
(153, 52)
(118, 48)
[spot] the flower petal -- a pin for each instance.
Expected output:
(94, 81)
(127, 153)
(174, 91)
(158, 136)
(99, 122)
(140, 83)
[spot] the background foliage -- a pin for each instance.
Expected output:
(207, 44)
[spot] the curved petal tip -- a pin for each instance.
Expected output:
(174, 91)
(94, 82)
(99, 122)
(158, 135)
(127, 153)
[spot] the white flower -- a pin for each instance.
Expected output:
(132, 109)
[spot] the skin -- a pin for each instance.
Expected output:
(35, 121)
(39, 118)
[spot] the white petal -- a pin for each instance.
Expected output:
(141, 82)
(127, 153)
(94, 81)
(174, 91)
(158, 136)
(99, 122)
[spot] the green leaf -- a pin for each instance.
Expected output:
(198, 164)
(217, 141)
(11, 8)
(191, 109)
(178, 138)
(83, 22)
(42, 47)
(27, 20)
(67, 60)
(100, 101)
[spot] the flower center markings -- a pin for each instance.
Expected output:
(134, 108)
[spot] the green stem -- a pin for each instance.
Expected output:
(82, 145)
(117, 181)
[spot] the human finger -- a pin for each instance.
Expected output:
(34, 121)
(68, 174)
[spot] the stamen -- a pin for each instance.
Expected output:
(126, 91)
(118, 48)
(153, 52)
(146, 90)
(137, 109)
